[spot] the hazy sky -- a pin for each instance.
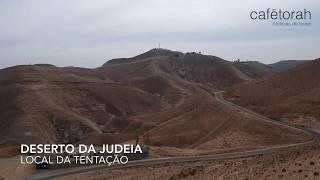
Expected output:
(88, 33)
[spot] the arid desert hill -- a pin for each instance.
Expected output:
(194, 67)
(284, 65)
(291, 96)
(161, 95)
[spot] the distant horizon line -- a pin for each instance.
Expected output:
(185, 53)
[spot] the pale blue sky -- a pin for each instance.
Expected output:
(88, 33)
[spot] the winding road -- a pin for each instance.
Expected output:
(52, 174)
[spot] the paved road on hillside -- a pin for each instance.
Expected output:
(218, 95)
(66, 172)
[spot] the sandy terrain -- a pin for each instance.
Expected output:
(295, 163)
(11, 169)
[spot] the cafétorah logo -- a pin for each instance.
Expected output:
(283, 17)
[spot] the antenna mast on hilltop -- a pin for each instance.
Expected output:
(159, 46)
